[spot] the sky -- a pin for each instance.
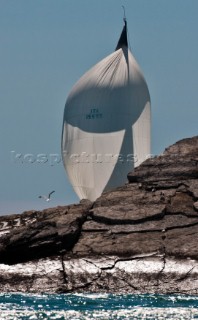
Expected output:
(47, 45)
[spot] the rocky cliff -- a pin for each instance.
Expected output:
(141, 237)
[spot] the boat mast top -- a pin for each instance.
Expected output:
(123, 37)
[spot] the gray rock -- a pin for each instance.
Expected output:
(140, 237)
(196, 205)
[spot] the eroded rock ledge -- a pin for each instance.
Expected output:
(141, 237)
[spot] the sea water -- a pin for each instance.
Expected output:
(97, 306)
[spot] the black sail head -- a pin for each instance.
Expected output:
(123, 42)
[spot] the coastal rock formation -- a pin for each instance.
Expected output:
(140, 237)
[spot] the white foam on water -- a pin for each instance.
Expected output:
(92, 295)
(136, 313)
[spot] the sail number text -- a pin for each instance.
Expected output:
(94, 114)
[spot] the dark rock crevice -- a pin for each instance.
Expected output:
(65, 277)
(185, 276)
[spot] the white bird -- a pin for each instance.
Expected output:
(47, 198)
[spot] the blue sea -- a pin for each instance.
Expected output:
(97, 306)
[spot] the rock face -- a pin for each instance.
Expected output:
(141, 237)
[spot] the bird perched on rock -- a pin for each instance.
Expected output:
(47, 198)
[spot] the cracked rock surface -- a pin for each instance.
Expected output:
(141, 237)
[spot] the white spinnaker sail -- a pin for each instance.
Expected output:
(106, 125)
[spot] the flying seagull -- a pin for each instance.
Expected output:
(47, 198)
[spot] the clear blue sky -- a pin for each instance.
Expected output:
(46, 45)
